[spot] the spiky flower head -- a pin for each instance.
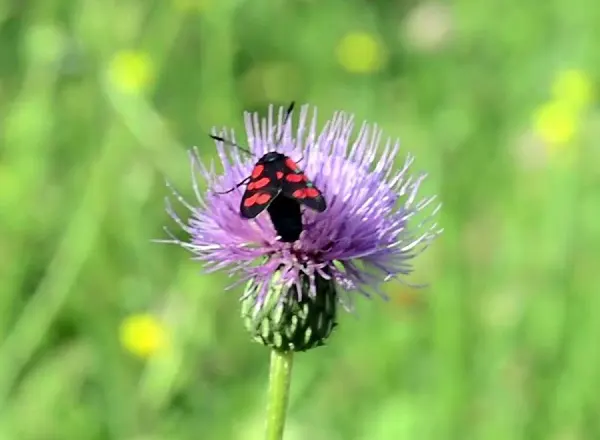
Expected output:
(359, 242)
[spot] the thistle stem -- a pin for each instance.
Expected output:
(280, 375)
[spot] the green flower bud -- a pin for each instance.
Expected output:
(289, 321)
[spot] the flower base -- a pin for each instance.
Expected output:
(288, 321)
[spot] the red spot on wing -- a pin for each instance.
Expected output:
(295, 178)
(260, 198)
(250, 201)
(299, 193)
(279, 175)
(291, 164)
(261, 183)
(263, 198)
(311, 193)
(257, 171)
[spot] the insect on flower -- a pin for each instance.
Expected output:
(370, 230)
(278, 185)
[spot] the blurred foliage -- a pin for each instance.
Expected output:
(99, 102)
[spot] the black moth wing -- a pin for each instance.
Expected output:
(298, 187)
(263, 188)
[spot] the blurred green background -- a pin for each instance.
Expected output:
(105, 335)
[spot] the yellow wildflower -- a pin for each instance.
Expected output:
(143, 335)
(573, 87)
(132, 71)
(556, 123)
(361, 52)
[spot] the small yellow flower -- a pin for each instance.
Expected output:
(361, 52)
(574, 87)
(143, 335)
(132, 71)
(556, 123)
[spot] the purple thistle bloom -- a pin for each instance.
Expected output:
(359, 242)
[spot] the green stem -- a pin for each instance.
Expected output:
(280, 376)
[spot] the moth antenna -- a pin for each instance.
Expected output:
(288, 112)
(233, 144)
(286, 118)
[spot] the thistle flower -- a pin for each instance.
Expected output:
(357, 244)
